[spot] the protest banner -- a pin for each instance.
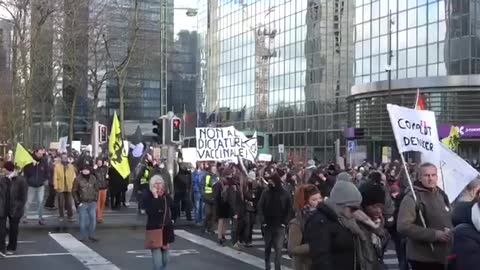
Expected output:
(415, 130)
(224, 144)
(265, 157)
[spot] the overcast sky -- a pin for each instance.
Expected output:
(182, 21)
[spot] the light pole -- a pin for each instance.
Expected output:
(190, 12)
(388, 68)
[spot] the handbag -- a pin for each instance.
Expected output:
(154, 238)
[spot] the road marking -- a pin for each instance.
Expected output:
(227, 251)
(81, 252)
(146, 253)
(36, 255)
(26, 242)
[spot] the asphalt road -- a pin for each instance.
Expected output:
(117, 249)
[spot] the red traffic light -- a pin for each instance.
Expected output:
(176, 123)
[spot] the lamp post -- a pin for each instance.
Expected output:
(190, 12)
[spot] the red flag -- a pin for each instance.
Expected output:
(420, 102)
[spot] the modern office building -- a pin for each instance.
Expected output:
(280, 67)
(6, 32)
(144, 74)
(435, 48)
(182, 88)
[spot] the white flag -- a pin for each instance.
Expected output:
(456, 172)
(415, 130)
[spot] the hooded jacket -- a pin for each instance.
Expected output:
(436, 211)
(37, 173)
(63, 177)
(85, 189)
(466, 235)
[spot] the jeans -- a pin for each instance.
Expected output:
(88, 219)
(37, 193)
(197, 197)
(12, 233)
(160, 258)
(273, 237)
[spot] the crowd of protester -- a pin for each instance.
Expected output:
(325, 215)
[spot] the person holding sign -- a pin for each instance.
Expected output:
(429, 242)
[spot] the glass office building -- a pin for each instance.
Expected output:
(435, 48)
(282, 67)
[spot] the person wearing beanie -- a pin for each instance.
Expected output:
(274, 209)
(13, 197)
(307, 197)
(371, 220)
(335, 239)
(85, 194)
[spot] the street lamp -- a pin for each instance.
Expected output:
(190, 12)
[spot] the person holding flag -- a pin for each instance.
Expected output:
(37, 173)
(119, 167)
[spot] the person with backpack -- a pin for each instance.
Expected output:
(274, 209)
(427, 246)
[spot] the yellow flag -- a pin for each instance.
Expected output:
(453, 139)
(116, 149)
(22, 157)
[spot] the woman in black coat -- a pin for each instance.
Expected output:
(466, 236)
(158, 206)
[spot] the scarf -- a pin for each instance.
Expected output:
(364, 256)
(306, 213)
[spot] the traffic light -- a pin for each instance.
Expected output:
(102, 134)
(359, 133)
(158, 129)
(175, 130)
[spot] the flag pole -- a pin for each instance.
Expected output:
(410, 183)
(416, 99)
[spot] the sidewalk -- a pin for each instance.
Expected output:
(125, 218)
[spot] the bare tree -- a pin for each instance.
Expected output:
(120, 66)
(25, 50)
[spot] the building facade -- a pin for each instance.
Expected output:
(435, 48)
(280, 67)
(144, 74)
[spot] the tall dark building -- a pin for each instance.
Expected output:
(142, 88)
(75, 63)
(182, 88)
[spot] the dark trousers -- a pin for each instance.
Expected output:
(12, 233)
(250, 218)
(427, 266)
(401, 249)
(50, 202)
(65, 203)
(181, 200)
(209, 221)
(273, 237)
(115, 199)
(238, 229)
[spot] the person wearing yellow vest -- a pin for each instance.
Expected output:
(207, 195)
(142, 180)
(63, 176)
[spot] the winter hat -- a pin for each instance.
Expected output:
(375, 176)
(344, 176)
(9, 166)
(373, 194)
(345, 194)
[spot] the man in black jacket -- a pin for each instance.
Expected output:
(13, 196)
(37, 174)
(182, 186)
(274, 209)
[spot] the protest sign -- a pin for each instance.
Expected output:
(415, 130)
(265, 157)
(63, 141)
(223, 144)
